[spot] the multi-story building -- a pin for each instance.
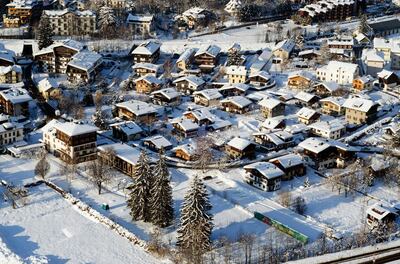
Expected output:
(263, 175)
(15, 101)
(271, 107)
(333, 106)
(328, 129)
(236, 74)
(328, 10)
(69, 23)
(84, 66)
(73, 143)
(140, 24)
(207, 57)
(138, 111)
(11, 132)
(148, 51)
(10, 74)
(19, 13)
(337, 71)
(342, 47)
(55, 58)
(360, 111)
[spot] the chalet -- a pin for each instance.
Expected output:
(15, 102)
(324, 89)
(291, 164)
(10, 74)
(362, 40)
(148, 84)
(363, 83)
(323, 153)
(124, 158)
(186, 59)
(141, 24)
(388, 79)
(73, 143)
(333, 106)
(271, 107)
(274, 140)
(333, 129)
(379, 166)
(239, 148)
(189, 84)
(137, 111)
(309, 54)
(185, 128)
(148, 51)
(263, 175)
(258, 66)
(166, 97)
(283, 49)
(157, 142)
(236, 104)
(378, 215)
(55, 58)
(195, 17)
(186, 152)
(143, 69)
(300, 80)
(84, 66)
(126, 131)
(201, 116)
(207, 58)
(261, 80)
(385, 28)
(341, 47)
(273, 123)
(49, 89)
(307, 115)
(306, 99)
(236, 74)
(234, 89)
(207, 97)
(360, 111)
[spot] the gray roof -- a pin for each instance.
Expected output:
(385, 25)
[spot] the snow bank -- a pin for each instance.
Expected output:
(7, 256)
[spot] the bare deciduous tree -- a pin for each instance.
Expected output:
(42, 168)
(203, 153)
(285, 198)
(100, 172)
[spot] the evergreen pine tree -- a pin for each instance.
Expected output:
(234, 58)
(162, 212)
(44, 33)
(107, 21)
(363, 27)
(139, 196)
(195, 221)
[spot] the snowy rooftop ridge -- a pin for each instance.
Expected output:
(86, 60)
(147, 48)
(16, 95)
(359, 104)
(267, 169)
(74, 129)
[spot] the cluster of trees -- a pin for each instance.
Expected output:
(298, 204)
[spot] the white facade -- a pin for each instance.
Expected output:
(340, 72)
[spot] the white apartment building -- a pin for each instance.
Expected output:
(339, 72)
(11, 132)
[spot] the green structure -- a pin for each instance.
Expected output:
(281, 227)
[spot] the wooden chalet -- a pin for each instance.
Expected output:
(147, 52)
(148, 84)
(240, 148)
(271, 107)
(137, 111)
(263, 175)
(207, 58)
(166, 97)
(291, 164)
(236, 104)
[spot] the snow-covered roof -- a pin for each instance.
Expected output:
(305, 74)
(328, 126)
(296, 128)
(159, 141)
(238, 100)
(373, 55)
(263, 74)
(193, 79)
(341, 40)
(239, 143)
(7, 69)
(7, 55)
(137, 107)
(315, 144)
(267, 169)
(86, 60)
(67, 43)
(309, 51)
(269, 103)
(209, 94)
(273, 122)
(128, 127)
(233, 6)
(334, 66)
(239, 86)
(379, 211)
(236, 70)
(74, 129)
(306, 113)
(139, 18)
(169, 93)
(185, 56)
(212, 50)
(150, 79)
(303, 96)
(359, 104)
(330, 86)
(194, 12)
(16, 95)
(235, 46)
(339, 101)
(147, 66)
(123, 151)
(186, 124)
(286, 45)
(47, 84)
(384, 74)
(289, 160)
(366, 78)
(147, 48)
(201, 114)
(188, 148)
